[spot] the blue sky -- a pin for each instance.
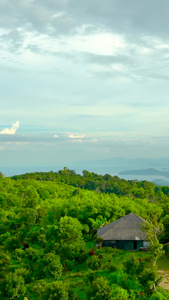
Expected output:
(83, 80)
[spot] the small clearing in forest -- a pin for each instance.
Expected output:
(165, 282)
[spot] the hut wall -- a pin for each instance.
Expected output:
(125, 245)
(109, 243)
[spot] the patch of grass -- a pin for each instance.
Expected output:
(163, 263)
(117, 257)
(80, 277)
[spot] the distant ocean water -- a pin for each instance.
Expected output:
(143, 177)
(11, 171)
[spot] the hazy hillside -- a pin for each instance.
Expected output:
(48, 232)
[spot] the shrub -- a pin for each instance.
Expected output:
(83, 255)
(94, 263)
(149, 278)
(113, 251)
(133, 265)
(157, 296)
(166, 248)
(19, 254)
(56, 290)
(164, 292)
(100, 289)
(15, 285)
(52, 265)
(110, 266)
(118, 293)
(92, 252)
(118, 277)
(99, 240)
(12, 243)
(91, 276)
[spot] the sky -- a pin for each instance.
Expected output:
(83, 80)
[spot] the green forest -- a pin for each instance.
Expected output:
(48, 241)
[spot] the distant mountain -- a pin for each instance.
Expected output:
(115, 165)
(111, 166)
(145, 172)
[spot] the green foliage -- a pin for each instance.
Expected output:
(164, 292)
(156, 249)
(51, 265)
(31, 256)
(31, 197)
(165, 237)
(118, 293)
(149, 278)
(153, 230)
(100, 289)
(134, 265)
(15, 285)
(4, 263)
(45, 219)
(113, 251)
(57, 290)
(99, 183)
(19, 254)
(70, 239)
(91, 275)
(12, 243)
(94, 262)
(158, 296)
(126, 281)
(99, 240)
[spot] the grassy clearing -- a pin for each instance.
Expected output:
(163, 263)
(79, 277)
(77, 272)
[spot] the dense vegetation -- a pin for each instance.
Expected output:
(48, 224)
(104, 184)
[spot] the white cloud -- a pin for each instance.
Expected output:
(4, 31)
(76, 136)
(77, 141)
(55, 136)
(11, 130)
(17, 143)
(109, 43)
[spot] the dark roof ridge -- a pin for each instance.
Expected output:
(120, 222)
(117, 221)
(137, 216)
(126, 217)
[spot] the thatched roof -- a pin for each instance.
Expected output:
(125, 228)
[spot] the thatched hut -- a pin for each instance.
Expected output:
(125, 233)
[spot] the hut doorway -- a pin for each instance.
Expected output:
(135, 245)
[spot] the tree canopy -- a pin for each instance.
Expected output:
(48, 224)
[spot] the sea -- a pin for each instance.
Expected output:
(11, 171)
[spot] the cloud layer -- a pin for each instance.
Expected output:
(85, 78)
(12, 130)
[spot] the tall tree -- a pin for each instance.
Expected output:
(153, 231)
